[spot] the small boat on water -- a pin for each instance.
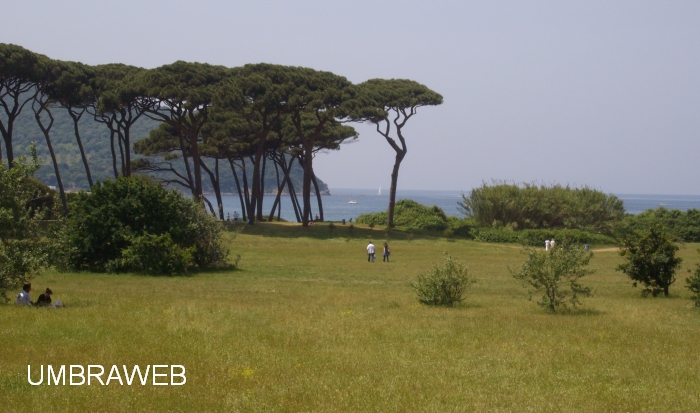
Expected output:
(352, 202)
(380, 191)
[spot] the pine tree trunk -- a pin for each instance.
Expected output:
(238, 189)
(45, 131)
(392, 191)
(318, 196)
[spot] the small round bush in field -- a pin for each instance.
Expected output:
(556, 274)
(650, 259)
(444, 285)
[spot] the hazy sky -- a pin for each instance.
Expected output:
(603, 93)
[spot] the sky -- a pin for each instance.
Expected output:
(598, 93)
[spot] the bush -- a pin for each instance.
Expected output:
(528, 206)
(445, 285)
(410, 214)
(19, 260)
(461, 226)
(556, 274)
(683, 226)
(23, 248)
(536, 237)
(110, 228)
(153, 254)
(651, 259)
(376, 218)
(693, 284)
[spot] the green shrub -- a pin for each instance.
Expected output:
(19, 260)
(555, 274)
(105, 223)
(693, 284)
(376, 218)
(684, 226)
(23, 204)
(528, 206)
(410, 214)
(536, 237)
(445, 285)
(449, 233)
(153, 254)
(461, 226)
(650, 259)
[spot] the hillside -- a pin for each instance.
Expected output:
(96, 142)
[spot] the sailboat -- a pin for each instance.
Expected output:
(380, 191)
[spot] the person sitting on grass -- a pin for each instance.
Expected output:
(44, 300)
(23, 297)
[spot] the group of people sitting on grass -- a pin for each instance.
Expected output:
(44, 300)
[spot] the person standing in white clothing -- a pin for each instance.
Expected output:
(547, 245)
(370, 252)
(551, 244)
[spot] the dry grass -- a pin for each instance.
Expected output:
(307, 324)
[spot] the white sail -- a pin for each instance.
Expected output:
(380, 191)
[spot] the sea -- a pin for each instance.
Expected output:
(337, 206)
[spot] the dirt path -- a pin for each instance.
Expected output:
(611, 249)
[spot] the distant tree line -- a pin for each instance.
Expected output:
(209, 117)
(97, 147)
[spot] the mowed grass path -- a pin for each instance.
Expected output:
(307, 324)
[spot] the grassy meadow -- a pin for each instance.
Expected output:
(306, 324)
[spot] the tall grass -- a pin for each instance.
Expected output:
(307, 324)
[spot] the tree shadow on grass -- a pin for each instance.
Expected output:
(228, 268)
(465, 305)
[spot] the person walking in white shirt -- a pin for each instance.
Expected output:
(370, 252)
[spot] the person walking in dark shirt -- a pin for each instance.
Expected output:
(386, 252)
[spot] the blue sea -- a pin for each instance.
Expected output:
(337, 207)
